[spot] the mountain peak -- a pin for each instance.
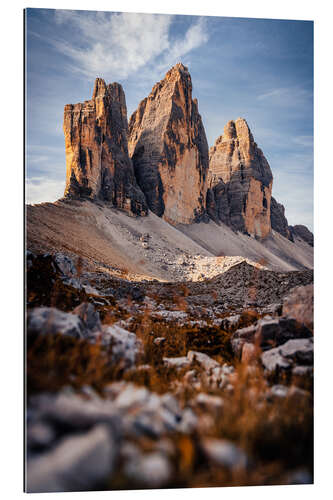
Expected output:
(97, 161)
(240, 181)
(99, 88)
(168, 146)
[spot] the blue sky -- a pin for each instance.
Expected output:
(258, 69)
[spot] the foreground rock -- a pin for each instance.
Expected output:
(299, 305)
(168, 146)
(78, 463)
(294, 356)
(269, 333)
(224, 453)
(126, 347)
(49, 320)
(97, 161)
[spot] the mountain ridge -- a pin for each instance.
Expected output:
(215, 203)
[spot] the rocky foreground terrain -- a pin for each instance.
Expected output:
(153, 384)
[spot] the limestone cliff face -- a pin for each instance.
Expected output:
(239, 181)
(279, 221)
(97, 161)
(168, 146)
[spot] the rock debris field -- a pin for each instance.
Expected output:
(155, 384)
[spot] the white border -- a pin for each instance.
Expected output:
(12, 240)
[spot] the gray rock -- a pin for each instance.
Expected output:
(277, 391)
(208, 402)
(39, 435)
(179, 362)
(269, 332)
(89, 316)
(78, 463)
(71, 411)
(49, 320)
(274, 332)
(126, 347)
(65, 264)
(205, 361)
(303, 371)
(224, 453)
(299, 350)
(294, 352)
(152, 470)
(68, 270)
(133, 396)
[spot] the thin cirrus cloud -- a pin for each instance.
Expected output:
(293, 96)
(129, 42)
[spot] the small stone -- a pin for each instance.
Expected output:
(152, 470)
(209, 403)
(205, 361)
(159, 341)
(224, 453)
(178, 362)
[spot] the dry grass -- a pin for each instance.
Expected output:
(55, 361)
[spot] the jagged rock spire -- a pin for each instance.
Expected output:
(97, 161)
(168, 146)
(240, 181)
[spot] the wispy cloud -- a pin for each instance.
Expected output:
(195, 36)
(304, 140)
(286, 96)
(40, 189)
(115, 45)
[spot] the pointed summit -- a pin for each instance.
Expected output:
(99, 88)
(240, 181)
(97, 161)
(168, 146)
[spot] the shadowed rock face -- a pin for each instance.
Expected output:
(303, 232)
(168, 146)
(279, 221)
(240, 182)
(97, 161)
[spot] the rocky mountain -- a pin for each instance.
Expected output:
(279, 223)
(168, 147)
(160, 161)
(240, 181)
(97, 161)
